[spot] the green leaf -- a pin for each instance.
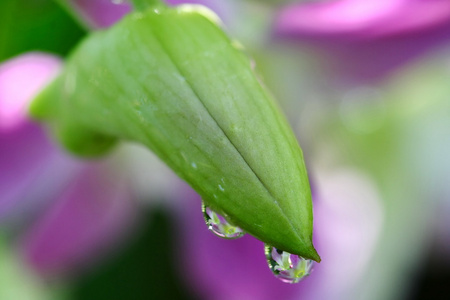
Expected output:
(173, 81)
(35, 25)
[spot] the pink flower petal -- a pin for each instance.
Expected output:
(32, 168)
(365, 40)
(21, 78)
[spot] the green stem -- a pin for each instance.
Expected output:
(141, 5)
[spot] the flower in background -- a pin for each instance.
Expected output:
(397, 130)
(29, 160)
(90, 216)
(70, 210)
(364, 40)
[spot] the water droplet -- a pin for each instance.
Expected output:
(289, 268)
(221, 188)
(219, 225)
(194, 165)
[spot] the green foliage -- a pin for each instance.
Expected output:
(35, 25)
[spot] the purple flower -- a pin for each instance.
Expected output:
(28, 160)
(85, 208)
(91, 215)
(364, 40)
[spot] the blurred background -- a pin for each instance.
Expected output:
(365, 84)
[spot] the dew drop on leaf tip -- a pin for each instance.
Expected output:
(219, 225)
(289, 268)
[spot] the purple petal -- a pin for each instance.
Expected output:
(101, 13)
(364, 40)
(93, 213)
(347, 225)
(21, 78)
(32, 168)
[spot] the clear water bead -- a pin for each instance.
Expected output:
(219, 225)
(289, 268)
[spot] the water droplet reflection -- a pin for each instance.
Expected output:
(289, 268)
(219, 225)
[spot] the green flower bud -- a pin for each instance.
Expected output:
(173, 81)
